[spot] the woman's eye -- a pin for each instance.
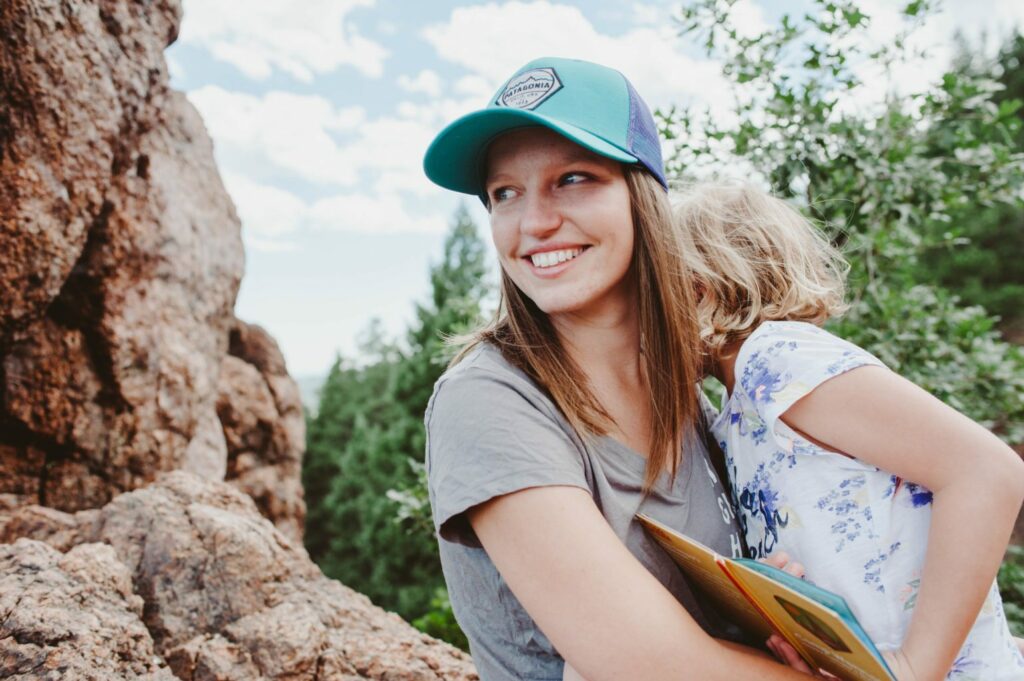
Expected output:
(574, 178)
(501, 194)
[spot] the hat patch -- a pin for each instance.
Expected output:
(529, 89)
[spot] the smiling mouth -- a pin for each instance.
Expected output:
(552, 258)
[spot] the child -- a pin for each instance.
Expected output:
(887, 496)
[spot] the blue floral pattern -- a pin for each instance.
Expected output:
(859, 531)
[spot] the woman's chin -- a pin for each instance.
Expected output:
(570, 303)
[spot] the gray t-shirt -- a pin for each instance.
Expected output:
(492, 431)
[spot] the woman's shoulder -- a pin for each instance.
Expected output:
(483, 365)
(485, 379)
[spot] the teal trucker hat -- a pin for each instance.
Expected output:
(592, 105)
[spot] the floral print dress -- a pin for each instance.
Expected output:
(859, 531)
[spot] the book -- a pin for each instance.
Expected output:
(764, 600)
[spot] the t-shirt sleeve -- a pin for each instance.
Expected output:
(489, 435)
(786, 361)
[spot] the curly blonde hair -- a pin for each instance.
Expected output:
(754, 258)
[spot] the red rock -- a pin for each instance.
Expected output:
(222, 594)
(121, 364)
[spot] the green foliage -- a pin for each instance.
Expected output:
(1011, 586)
(412, 503)
(953, 352)
(366, 433)
(440, 621)
(891, 183)
(980, 256)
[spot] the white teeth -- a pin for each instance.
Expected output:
(551, 258)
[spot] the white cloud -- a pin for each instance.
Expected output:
(475, 86)
(265, 210)
(292, 132)
(272, 217)
(311, 140)
(477, 38)
(302, 39)
(268, 245)
(426, 81)
(377, 213)
(646, 14)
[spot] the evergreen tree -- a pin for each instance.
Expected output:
(457, 289)
(348, 393)
(370, 426)
(979, 257)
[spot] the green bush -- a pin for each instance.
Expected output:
(953, 352)
(1011, 585)
(440, 622)
(890, 183)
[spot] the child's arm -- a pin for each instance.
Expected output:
(977, 484)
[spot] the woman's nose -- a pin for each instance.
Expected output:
(540, 216)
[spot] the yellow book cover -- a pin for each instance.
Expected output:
(763, 599)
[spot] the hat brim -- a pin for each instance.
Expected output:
(455, 158)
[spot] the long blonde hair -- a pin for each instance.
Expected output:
(754, 258)
(670, 348)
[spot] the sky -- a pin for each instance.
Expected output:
(320, 112)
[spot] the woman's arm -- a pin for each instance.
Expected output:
(977, 484)
(603, 611)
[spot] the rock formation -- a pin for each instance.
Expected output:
(143, 429)
(121, 255)
(184, 579)
(260, 412)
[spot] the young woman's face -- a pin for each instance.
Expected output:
(561, 221)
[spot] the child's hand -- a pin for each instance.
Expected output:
(781, 560)
(899, 665)
(779, 646)
(787, 655)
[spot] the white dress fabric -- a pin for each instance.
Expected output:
(859, 531)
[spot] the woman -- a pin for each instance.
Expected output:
(578, 407)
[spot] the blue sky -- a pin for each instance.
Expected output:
(320, 112)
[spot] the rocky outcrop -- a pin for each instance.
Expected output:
(121, 262)
(260, 410)
(143, 429)
(101, 634)
(186, 579)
